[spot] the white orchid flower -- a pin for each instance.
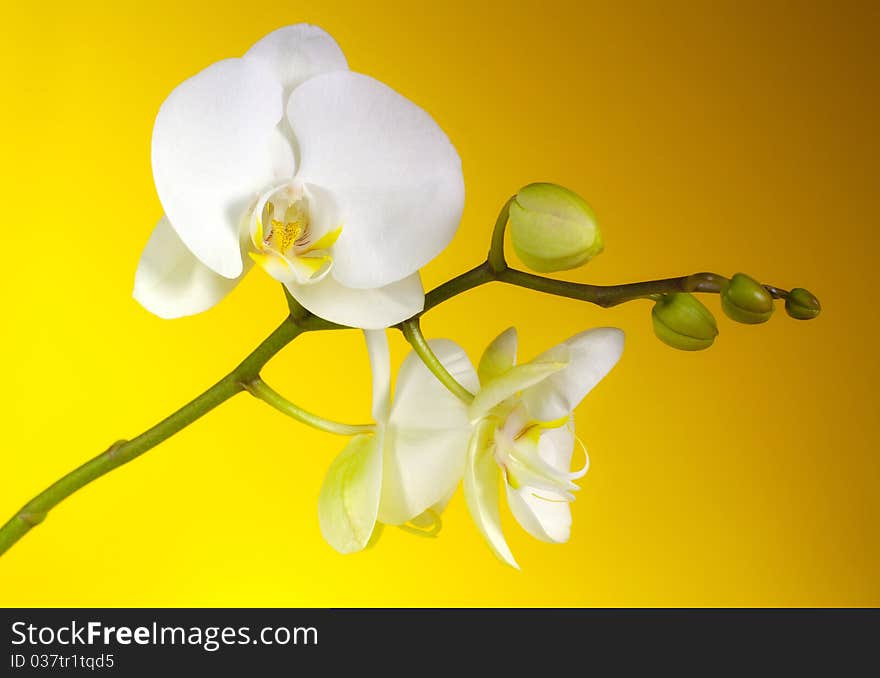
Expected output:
(407, 470)
(336, 185)
(524, 431)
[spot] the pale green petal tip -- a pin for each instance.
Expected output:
(481, 480)
(553, 228)
(349, 499)
(515, 380)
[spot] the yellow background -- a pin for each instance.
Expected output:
(715, 136)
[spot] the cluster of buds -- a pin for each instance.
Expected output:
(683, 322)
(554, 229)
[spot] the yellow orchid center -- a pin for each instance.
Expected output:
(289, 242)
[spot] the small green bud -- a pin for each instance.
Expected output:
(745, 300)
(553, 229)
(681, 321)
(801, 304)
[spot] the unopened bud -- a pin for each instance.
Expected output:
(553, 229)
(681, 321)
(801, 304)
(745, 300)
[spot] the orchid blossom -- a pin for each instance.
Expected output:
(408, 468)
(333, 183)
(523, 420)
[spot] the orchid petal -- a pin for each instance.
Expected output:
(349, 499)
(396, 175)
(516, 379)
(499, 356)
(593, 354)
(380, 365)
(481, 479)
(170, 282)
(544, 515)
(427, 436)
(421, 469)
(297, 53)
(368, 309)
(421, 402)
(556, 446)
(215, 146)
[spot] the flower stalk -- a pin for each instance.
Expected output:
(246, 376)
(413, 332)
(261, 390)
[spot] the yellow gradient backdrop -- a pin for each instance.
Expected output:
(707, 136)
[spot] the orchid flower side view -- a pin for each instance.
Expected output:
(342, 190)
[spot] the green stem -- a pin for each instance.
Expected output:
(34, 512)
(260, 389)
(413, 333)
(601, 295)
(496, 260)
(246, 374)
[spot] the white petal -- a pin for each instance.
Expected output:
(368, 309)
(421, 469)
(542, 514)
(420, 401)
(546, 515)
(215, 147)
(427, 436)
(380, 364)
(517, 379)
(592, 355)
(349, 498)
(171, 282)
(556, 446)
(297, 53)
(394, 171)
(499, 356)
(481, 478)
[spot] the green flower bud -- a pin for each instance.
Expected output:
(801, 304)
(553, 229)
(745, 300)
(681, 321)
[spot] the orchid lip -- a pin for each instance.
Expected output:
(516, 452)
(286, 241)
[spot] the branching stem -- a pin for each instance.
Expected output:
(246, 376)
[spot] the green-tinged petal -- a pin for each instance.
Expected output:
(427, 436)
(481, 479)
(499, 357)
(592, 355)
(380, 364)
(349, 498)
(518, 378)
